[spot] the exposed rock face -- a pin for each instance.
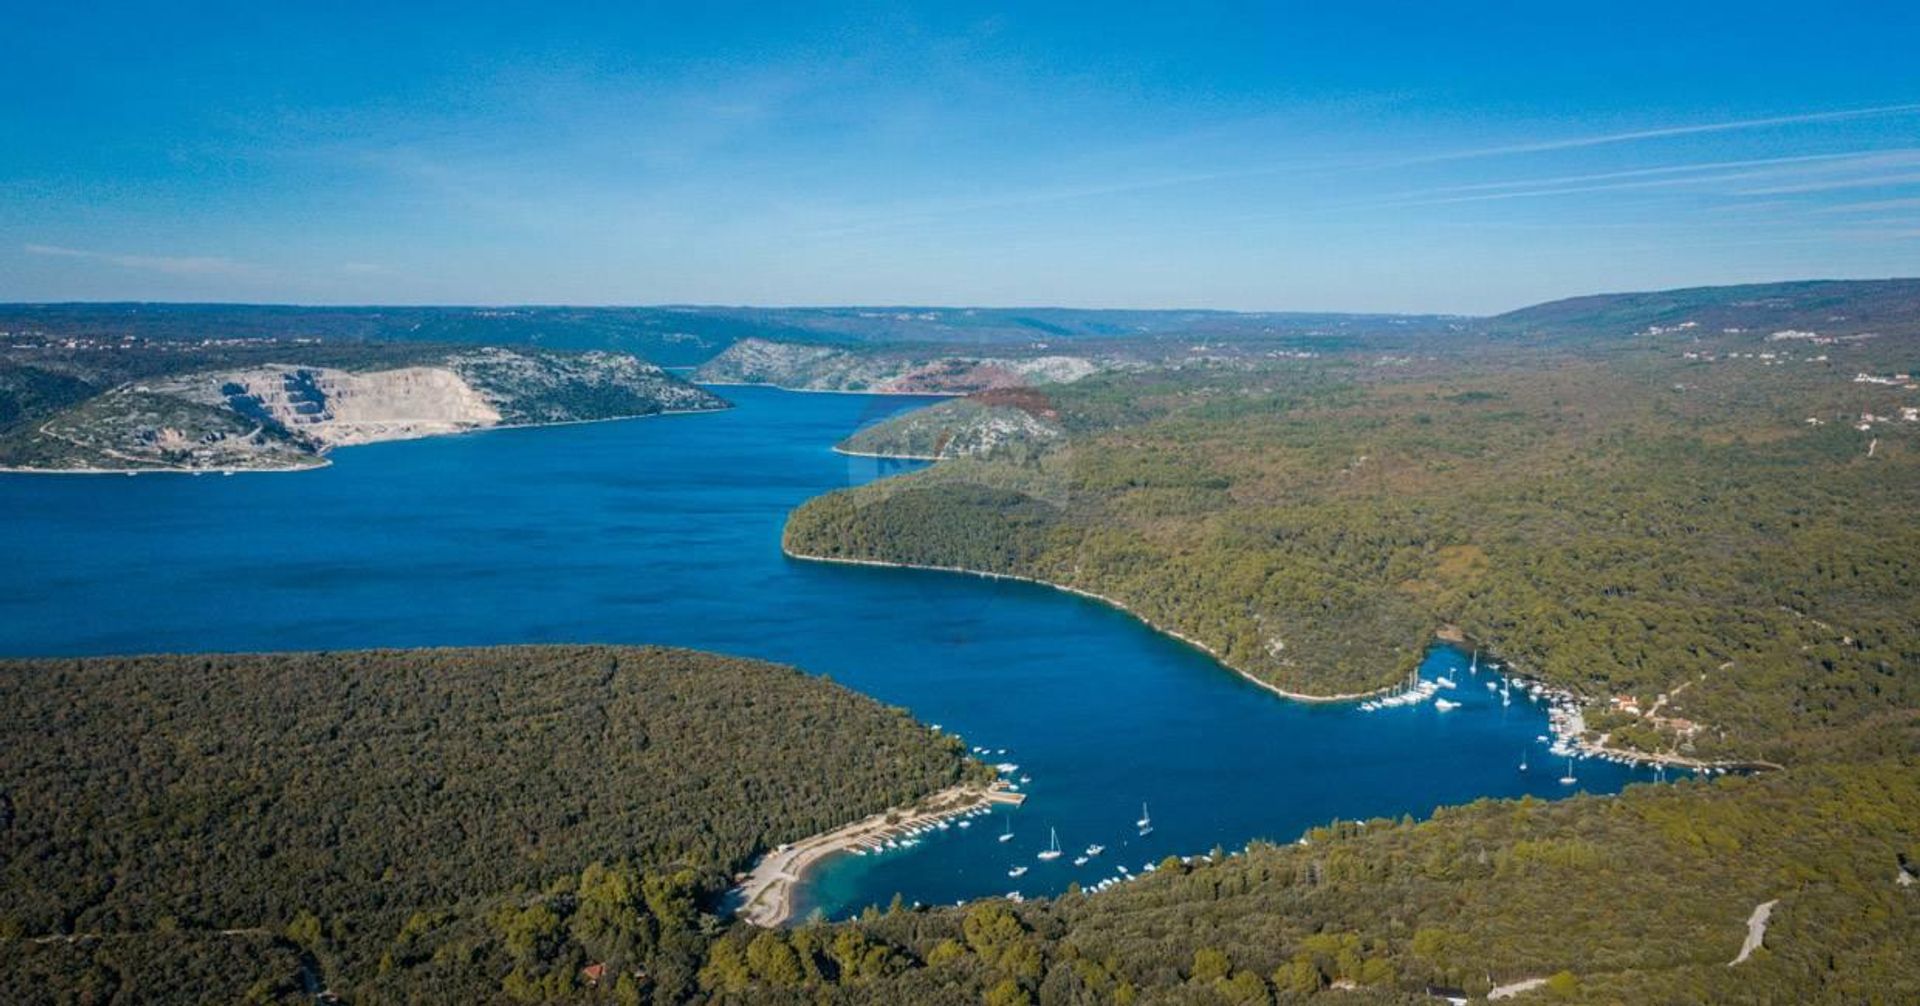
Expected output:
(825, 368)
(288, 415)
(997, 422)
(339, 407)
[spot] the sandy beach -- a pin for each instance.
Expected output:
(766, 892)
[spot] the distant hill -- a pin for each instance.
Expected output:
(813, 367)
(1828, 307)
(689, 335)
(684, 335)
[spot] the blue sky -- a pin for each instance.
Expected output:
(1255, 156)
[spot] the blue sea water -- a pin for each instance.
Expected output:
(666, 530)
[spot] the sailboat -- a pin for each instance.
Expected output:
(1007, 836)
(1053, 847)
(1474, 668)
(1523, 761)
(1145, 823)
(1568, 779)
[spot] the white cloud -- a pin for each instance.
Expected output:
(172, 265)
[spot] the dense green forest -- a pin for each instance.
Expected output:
(393, 824)
(487, 825)
(1632, 522)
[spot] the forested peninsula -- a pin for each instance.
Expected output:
(1714, 531)
(393, 825)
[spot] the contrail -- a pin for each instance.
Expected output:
(1663, 132)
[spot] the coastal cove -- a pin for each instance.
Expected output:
(669, 532)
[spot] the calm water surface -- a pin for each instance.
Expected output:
(667, 531)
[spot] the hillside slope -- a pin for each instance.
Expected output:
(1888, 307)
(1718, 534)
(184, 410)
(808, 367)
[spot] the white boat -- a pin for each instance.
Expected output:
(1025, 779)
(1079, 860)
(1016, 871)
(1569, 779)
(1443, 705)
(1095, 850)
(966, 824)
(1523, 761)
(1444, 681)
(1474, 668)
(1146, 819)
(1493, 686)
(1007, 836)
(1053, 847)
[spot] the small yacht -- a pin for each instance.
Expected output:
(1523, 761)
(1053, 847)
(1095, 850)
(1146, 819)
(1079, 860)
(1007, 836)
(1474, 668)
(1445, 682)
(1569, 779)
(966, 824)
(1017, 871)
(1443, 705)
